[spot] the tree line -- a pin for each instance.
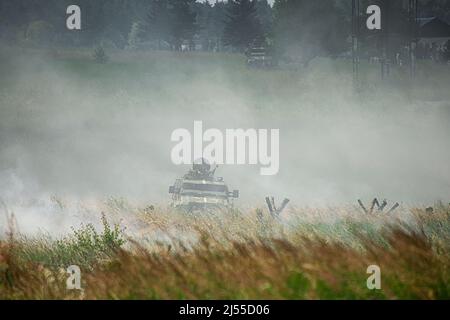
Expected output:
(294, 27)
(122, 23)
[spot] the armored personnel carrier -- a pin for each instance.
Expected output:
(258, 55)
(200, 189)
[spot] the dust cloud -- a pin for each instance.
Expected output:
(89, 132)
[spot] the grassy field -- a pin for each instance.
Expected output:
(237, 256)
(71, 126)
(153, 71)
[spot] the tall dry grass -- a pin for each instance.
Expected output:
(237, 256)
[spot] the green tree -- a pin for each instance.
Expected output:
(171, 21)
(218, 24)
(204, 12)
(183, 22)
(135, 37)
(305, 29)
(158, 21)
(265, 16)
(242, 25)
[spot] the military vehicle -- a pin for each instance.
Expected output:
(199, 189)
(258, 55)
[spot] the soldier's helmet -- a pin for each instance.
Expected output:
(201, 166)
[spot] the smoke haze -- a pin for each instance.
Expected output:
(85, 132)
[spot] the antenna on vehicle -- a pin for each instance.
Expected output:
(213, 171)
